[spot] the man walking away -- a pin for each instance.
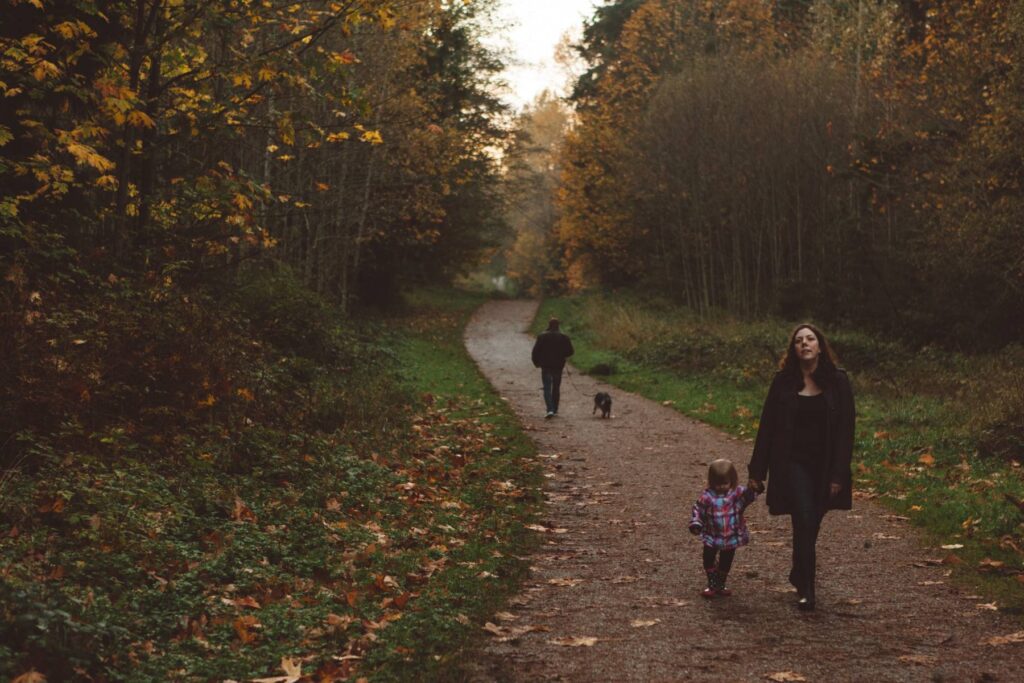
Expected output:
(549, 354)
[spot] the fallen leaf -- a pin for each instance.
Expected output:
(952, 546)
(291, 668)
(493, 629)
(930, 583)
(625, 579)
(783, 676)
(952, 559)
(565, 582)
(988, 605)
(31, 676)
(575, 641)
(643, 623)
(244, 627)
(1017, 637)
(928, 562)
(927, 459)
(241, 512)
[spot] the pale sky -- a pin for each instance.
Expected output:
(532, 29)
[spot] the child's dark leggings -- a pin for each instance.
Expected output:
(724, 559)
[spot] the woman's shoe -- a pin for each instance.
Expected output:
(805, 604)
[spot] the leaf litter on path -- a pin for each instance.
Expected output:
(574, 641)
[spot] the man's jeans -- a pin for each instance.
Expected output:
(806, 517)
(552, 380)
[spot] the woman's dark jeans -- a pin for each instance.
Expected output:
(806, 517)
(552, 381)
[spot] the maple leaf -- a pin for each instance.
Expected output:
(291, 668)
(244, 627)
(241, 512)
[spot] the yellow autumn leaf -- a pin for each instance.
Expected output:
(338, 137)
(927, 459)
(87, 156)
(372, 136)
(242, 80)
(140, 119)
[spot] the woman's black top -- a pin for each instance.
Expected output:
(809, 430)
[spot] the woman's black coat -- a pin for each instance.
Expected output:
(775, 441)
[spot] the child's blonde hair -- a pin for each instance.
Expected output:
(722, 471)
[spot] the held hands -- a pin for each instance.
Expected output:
(695, 529)
(756, 485)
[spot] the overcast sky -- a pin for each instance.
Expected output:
(532, 29)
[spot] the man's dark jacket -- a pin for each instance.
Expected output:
(774, 442)
(551, 349)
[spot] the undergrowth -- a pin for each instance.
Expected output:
(269, 488)
(939, 434)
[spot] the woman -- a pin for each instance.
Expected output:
(804, 445)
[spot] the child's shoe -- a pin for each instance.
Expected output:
(720, 585)
(712, 590)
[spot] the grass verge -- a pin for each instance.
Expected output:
(927, 419)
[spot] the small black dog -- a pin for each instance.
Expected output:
(604, 402)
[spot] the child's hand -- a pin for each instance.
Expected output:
(695, 529)
(757, 486)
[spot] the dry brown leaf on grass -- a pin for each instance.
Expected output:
(642, 623)
(988, 605)
(574, 641)
(291, 668)
(783, 676)
(1017, 637)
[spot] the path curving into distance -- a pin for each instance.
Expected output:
(618, 565)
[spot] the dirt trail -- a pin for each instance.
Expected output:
(619, 565)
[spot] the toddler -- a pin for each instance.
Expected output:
(718, 519)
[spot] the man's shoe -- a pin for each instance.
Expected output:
(550, 415)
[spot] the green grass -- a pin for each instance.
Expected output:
(923, 416)
(501, 488)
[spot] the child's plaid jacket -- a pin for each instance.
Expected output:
(719, 517)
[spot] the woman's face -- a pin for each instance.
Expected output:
(805, 344)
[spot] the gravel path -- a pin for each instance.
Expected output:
(618, 565)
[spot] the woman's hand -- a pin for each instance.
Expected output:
(834, 489)
(756, 485)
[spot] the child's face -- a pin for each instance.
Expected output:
(722, 488)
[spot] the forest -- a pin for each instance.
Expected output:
(855, 161)
(223, 443)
